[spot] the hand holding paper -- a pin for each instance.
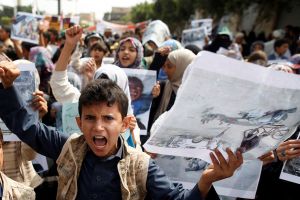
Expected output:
(220, 168)
(8, 73)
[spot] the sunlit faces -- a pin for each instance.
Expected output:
(127, 54)
(169, 68)
(101, 125)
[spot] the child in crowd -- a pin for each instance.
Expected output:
(99, 163)
(10, 189)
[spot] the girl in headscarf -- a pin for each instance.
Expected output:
(42, 59)
(129, 54)
(164, 93)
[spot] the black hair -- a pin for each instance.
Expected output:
(136, 81)
(98, 46)
(7, 29)
(103, 90)
(280, 42)
(28, 45)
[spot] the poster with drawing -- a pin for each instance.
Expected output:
(223, 102)
(194, 36)
(141, 82)
(184, 170)
(244, 182)
(25, 85)
(206, 23)
(69, 124)
(291, 170)
(26, 27)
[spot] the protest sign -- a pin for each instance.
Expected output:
(223, 102)
(205, 23)
(194, 36)
(25, 84)
(69, 124)
(26, 27)
(141, 83)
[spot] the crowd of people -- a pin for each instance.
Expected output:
(107, 161)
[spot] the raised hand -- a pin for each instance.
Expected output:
(219, 169)
(39, 103)
(156, 90)
(73, 35)
(8, 73)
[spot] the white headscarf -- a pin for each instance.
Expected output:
(117, 75)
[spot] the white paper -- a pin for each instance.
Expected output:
(141, 83)
(26, 27)
(207, 23)
(25, 85)
(69, 114)
(291, 170)
(194, 36)
(243, 183)
(223, 102)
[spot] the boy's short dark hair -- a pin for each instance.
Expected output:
(99, 46)
(280, 42)
(103, 90)
(1, 138)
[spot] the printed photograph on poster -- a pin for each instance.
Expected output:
(69, 112)
(244, 182)
(184, 170)
(26, 27)
(194, 36)
(207, 23)
(26, 85)
(141, 83)
(291, 170)
(256, 118)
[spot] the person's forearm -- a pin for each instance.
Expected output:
(64, 57)
(204, 187)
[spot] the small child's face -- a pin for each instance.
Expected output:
(282, 49)
(97, 55)
(127, 54)
(135, 90)
(101, 126)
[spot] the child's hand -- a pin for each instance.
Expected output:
(132, 122)
(164, 50)
(8, 73)
(90, 69)
(73, 35)
(288, 150)
(219, 169)
(156, 90)
(39, 103)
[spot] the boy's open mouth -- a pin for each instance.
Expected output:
(99, 141)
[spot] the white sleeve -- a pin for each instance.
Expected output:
(63, 90)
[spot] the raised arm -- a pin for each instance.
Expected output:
(62, 89)
(20, 120)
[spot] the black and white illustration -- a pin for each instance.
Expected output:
(219, 105)
(141, 83)
(26, 85)
(194, 36)
(184, 170)
(26, 27)
(243, 183)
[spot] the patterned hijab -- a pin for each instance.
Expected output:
(117, 75)
(139, 56)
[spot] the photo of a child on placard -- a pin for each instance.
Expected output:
(140, 86)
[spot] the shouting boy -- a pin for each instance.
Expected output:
(99, 164)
